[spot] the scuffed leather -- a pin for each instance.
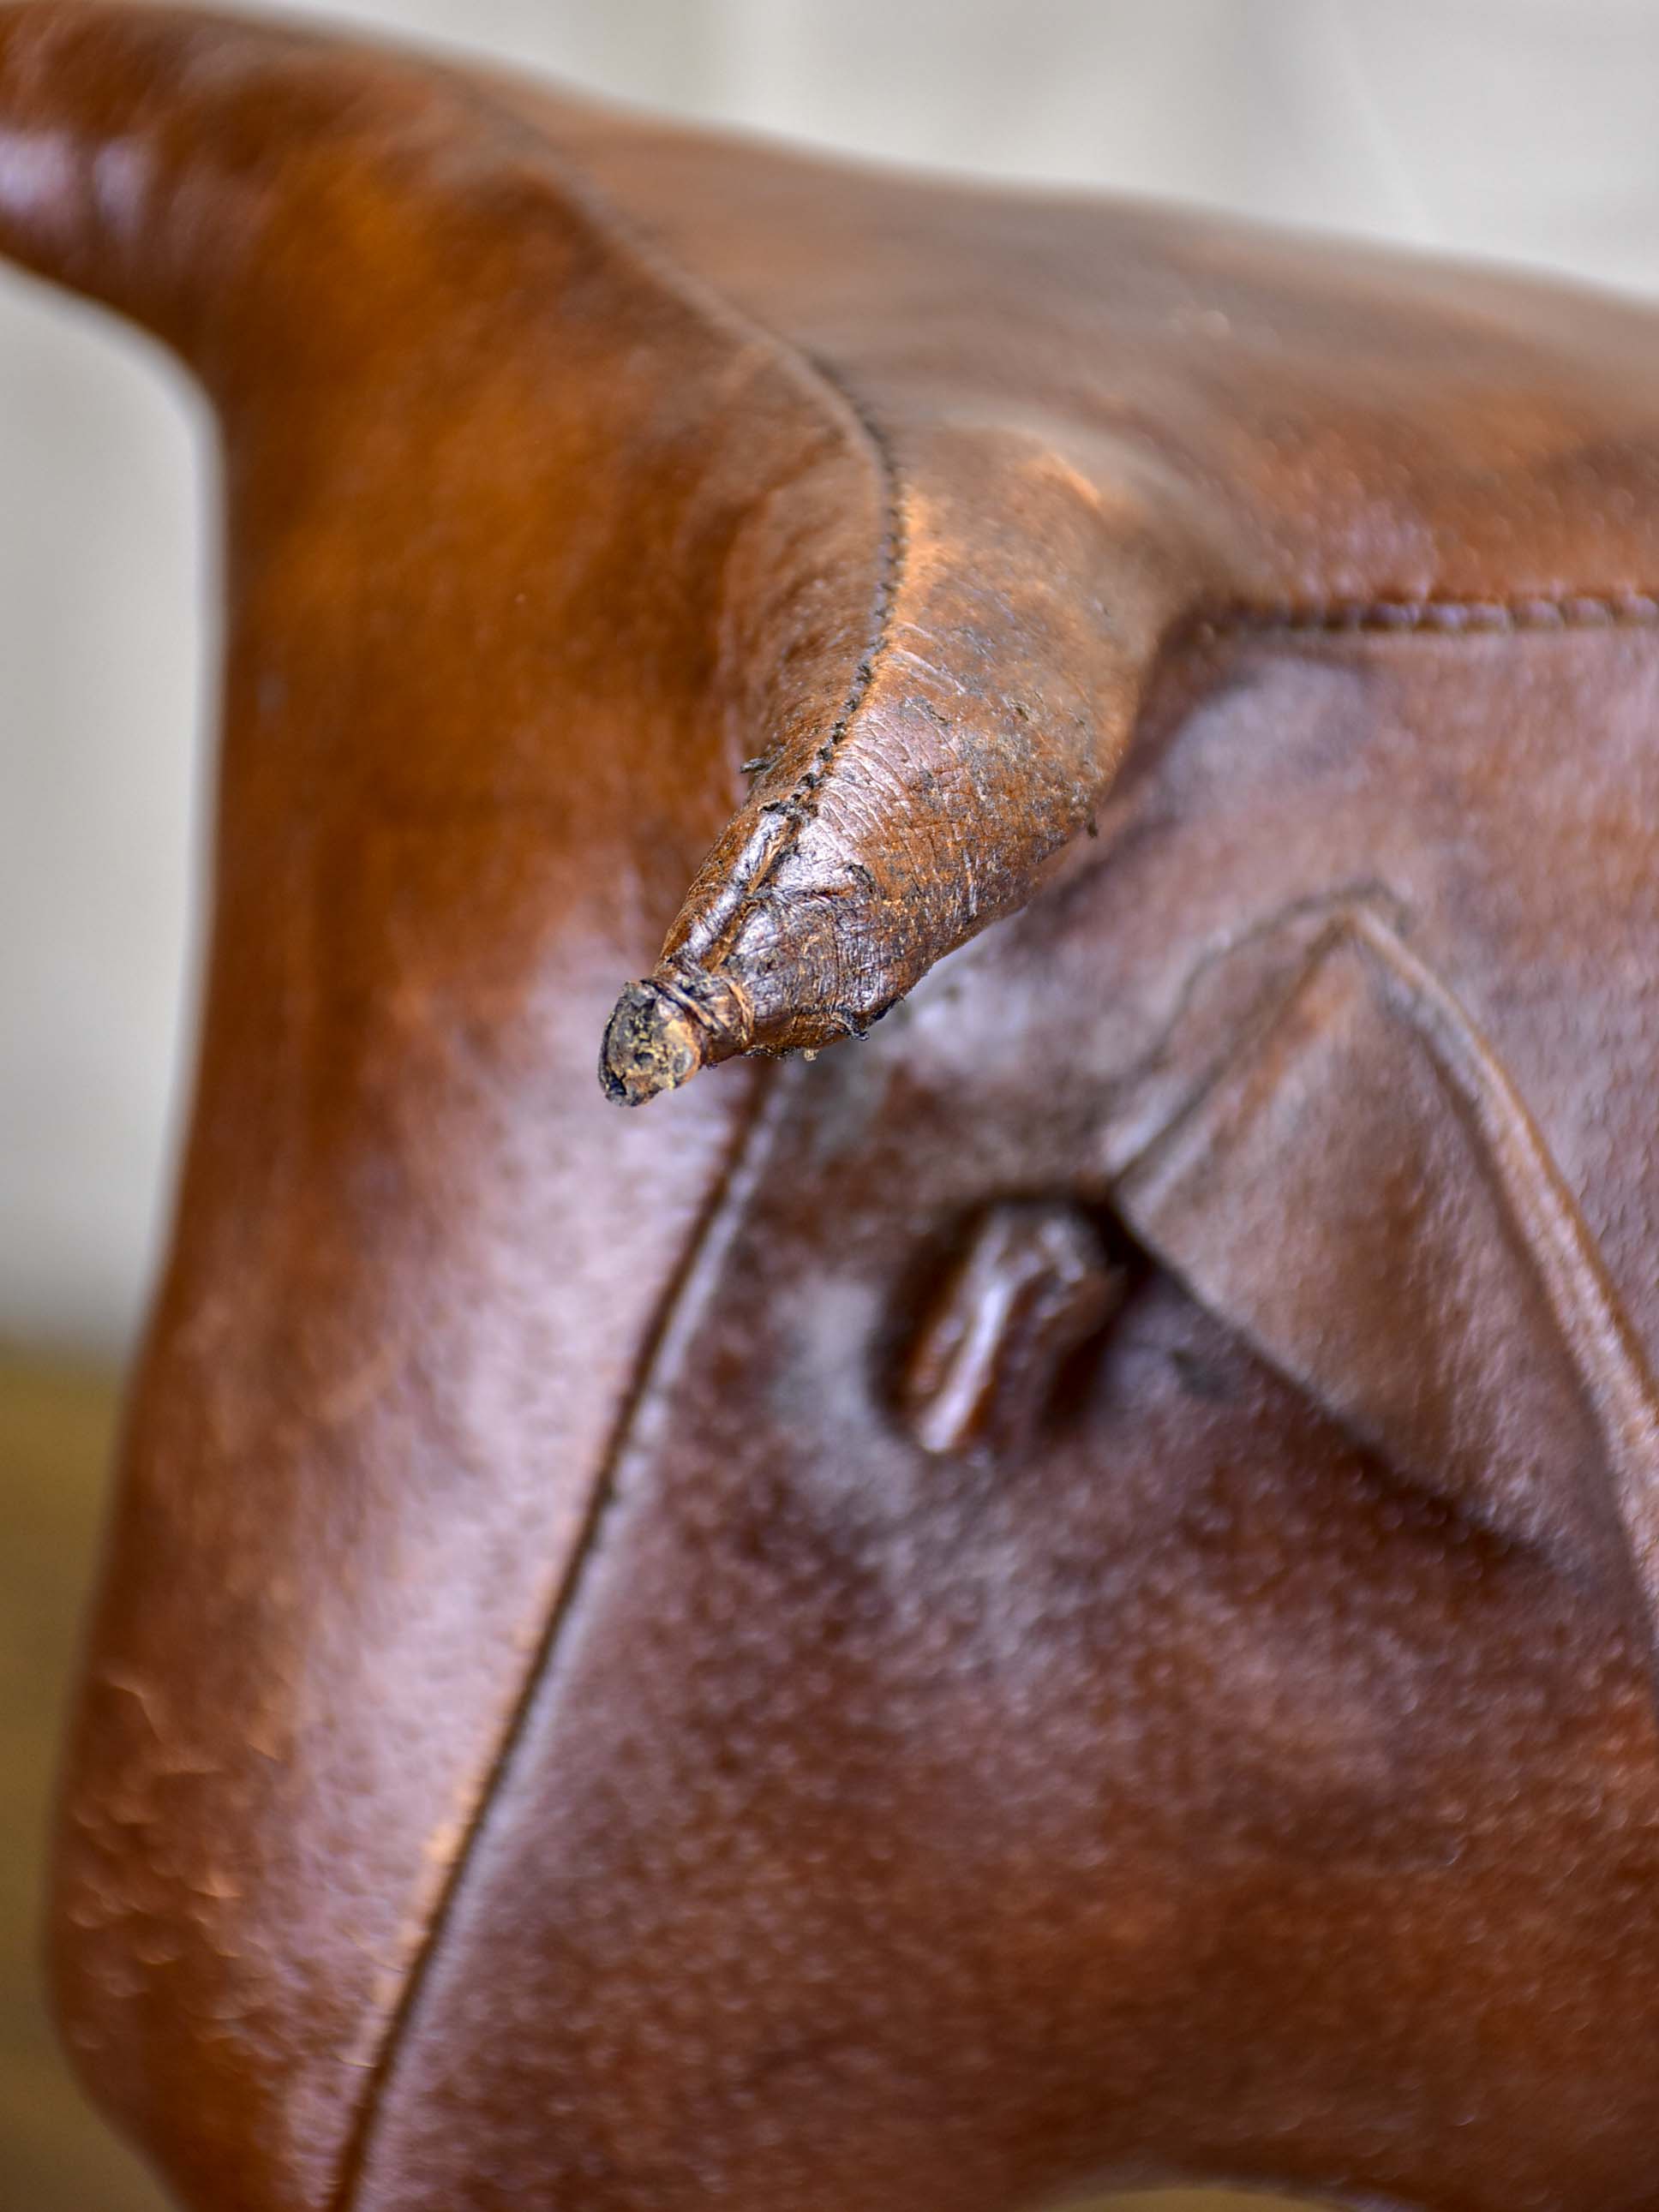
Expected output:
(1063, 1595)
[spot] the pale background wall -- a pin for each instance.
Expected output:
(1524, 128)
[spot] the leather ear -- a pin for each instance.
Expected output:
(1355, 1186)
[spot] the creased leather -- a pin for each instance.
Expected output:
(567, 1719)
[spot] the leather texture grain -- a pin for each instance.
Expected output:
(1062, 1596)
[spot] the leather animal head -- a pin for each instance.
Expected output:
(1061, 1594)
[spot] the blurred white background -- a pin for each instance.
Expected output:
(1519, 128)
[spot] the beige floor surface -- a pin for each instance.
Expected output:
(55, 1425)
(55, 1430)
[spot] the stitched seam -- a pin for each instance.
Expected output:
(1434, 615)
(760, 860)
(661, 265)
(891, 559)
(727, 1196)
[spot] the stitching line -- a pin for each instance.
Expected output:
(1436, 616)
(674, 1310)
(657, 261)
(890, 560)
(1431, 614)
(746, 881)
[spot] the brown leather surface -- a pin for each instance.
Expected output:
(1065, 1595)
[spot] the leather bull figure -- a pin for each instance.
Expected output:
(1061, 1595)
